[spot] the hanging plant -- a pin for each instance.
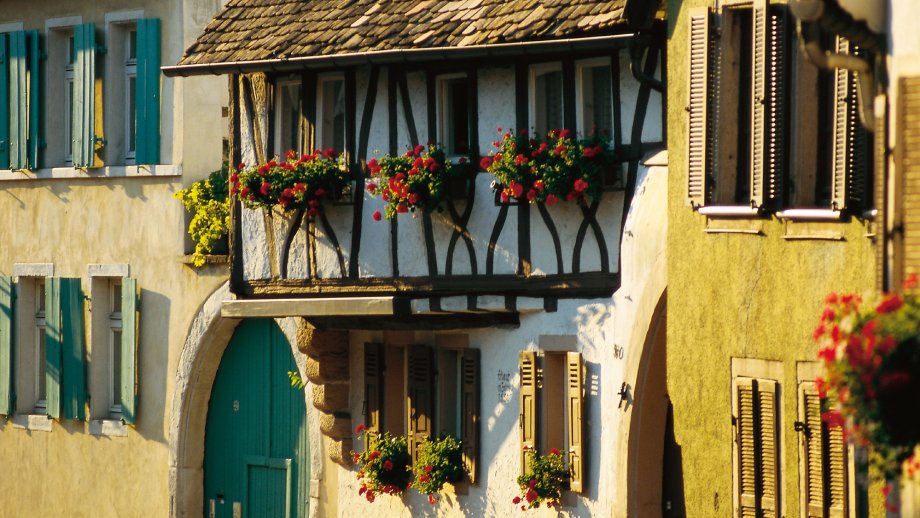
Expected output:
(207, 200)
(544, 483)
(439, 462)
(416, 180)
(871, 355)
(549, 169)
(384, 466)
(302, 182)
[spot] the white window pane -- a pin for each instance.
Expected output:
(548, 102)
(597, 93)
(288, 119)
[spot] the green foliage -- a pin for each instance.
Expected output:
(384, 467)
(871, 355)
(544, 483)
(549, 168)
(439, 462)
(414, 181)
(298, 183)
(208, 202)
(296, 381)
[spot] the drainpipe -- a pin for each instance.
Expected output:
(814, 15)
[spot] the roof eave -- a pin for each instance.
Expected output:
(383, 57)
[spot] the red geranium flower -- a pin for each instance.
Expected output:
(374, 455)
(551, 200)
(516, 500)
(428, 468)
(372, 165)
(402, 208)
(890, 304)
(377, 215)
(388, 465)
(372, 187)
(531, 495)
(266, 188)
(554, 451)
(485, 162)
(580, 185)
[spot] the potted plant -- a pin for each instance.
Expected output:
(871, 355)
(549, 169)
(207, 201)
(439, 462)
(544, 483)
(416, 180)
(384, 466)
(300, 182)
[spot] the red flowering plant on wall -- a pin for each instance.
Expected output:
(871, 355)
(544, 482)
(416, 180)
(547, 169)
(299, 182)
(384, 467)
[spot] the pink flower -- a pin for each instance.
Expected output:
(833, 418)
(498, 130)
(388, 465)
(580, 185)
(377, 215)
(828, 354)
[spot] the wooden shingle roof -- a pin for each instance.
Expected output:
(269, 30)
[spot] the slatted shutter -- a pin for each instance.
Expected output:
(129, 340)
(4, 103)
(907, 167)
(851, 153)
(746, 448)
(575, 436)
(838, 500)
(420, 392)
(528, 416)
(769, 448)
(469, 426)
(697, 107)
(811, 451)
(84, 96)
(34, 142)
(759, 99)
(6, 345)
(777, 101)
(18, 101)
(373, 393)
(147, 99)
(73, 350)
(53, 343)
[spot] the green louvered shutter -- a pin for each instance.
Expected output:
(34, 142)
(84, 95)
(129, 335)
(6, 345)
(147, 102)
(4, 103)
(19, 101)
(53, 347)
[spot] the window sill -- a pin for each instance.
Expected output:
(72, 173)
(32, 422)
(810, 215)
(108, 428)
(208, 259)
(729, 211)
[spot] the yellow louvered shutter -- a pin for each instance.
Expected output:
(697, 106)
(469, 428)
(769, 450)
(420, 391)
(759, 99)
(528, 416)
(746, 448)
(373, 395)
(811, 451)
(837, 473)
(574, 437)
(907, 169)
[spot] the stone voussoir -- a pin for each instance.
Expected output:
(317, 342)
(328, 369)
(340, 451)
(336, 425)
(330, 397)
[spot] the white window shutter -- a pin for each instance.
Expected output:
(575, 409)
(777, 105)
(697, 106)
(759, 99)
(528, 416)
(768, 413)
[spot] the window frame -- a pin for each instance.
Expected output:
(319, 128)
(105, 293)
(70, 50)
(59, 35)
(580, 66)
(130, 102)
(533, 72)
(28, 374)
(281, 84)
(445, 123)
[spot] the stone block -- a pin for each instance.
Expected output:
(330, 397)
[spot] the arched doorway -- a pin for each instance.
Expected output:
(256, 461)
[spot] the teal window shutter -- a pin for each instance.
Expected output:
(6, 345)
(129, 335)
(35, 88)
(4, 103)
(147, 99)
(53, 346)
(19, 101)
(84, 95)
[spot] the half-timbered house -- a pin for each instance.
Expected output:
(507, 324)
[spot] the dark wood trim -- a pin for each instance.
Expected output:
(358, 172)
(407, 107)
(568, 93)
(493, 239)
(426, 322)
(521, 120)
(551, 228)
(567, 286)
(235, 234)
(472, 77)
(393, 76)
(524, 264)
(461, 221)
(590, 220)
(617, 99)
(308, 109)
(311, 248)
(430, 252)
(289, 240)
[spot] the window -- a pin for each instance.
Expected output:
(551, 398)
(756, 447)
(594, 97)
(453, 114)
(766, 129)
(546, 97)
(130, 92)
(21, 100)
(30, 372)
(421, 391)
(70, 56)
(113, 384)
(288, 133)
(330, 112)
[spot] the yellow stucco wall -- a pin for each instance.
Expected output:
(734, 295)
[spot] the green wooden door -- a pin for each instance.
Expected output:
(256, 443)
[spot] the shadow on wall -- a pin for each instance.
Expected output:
(672, 484)
(153, 357)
